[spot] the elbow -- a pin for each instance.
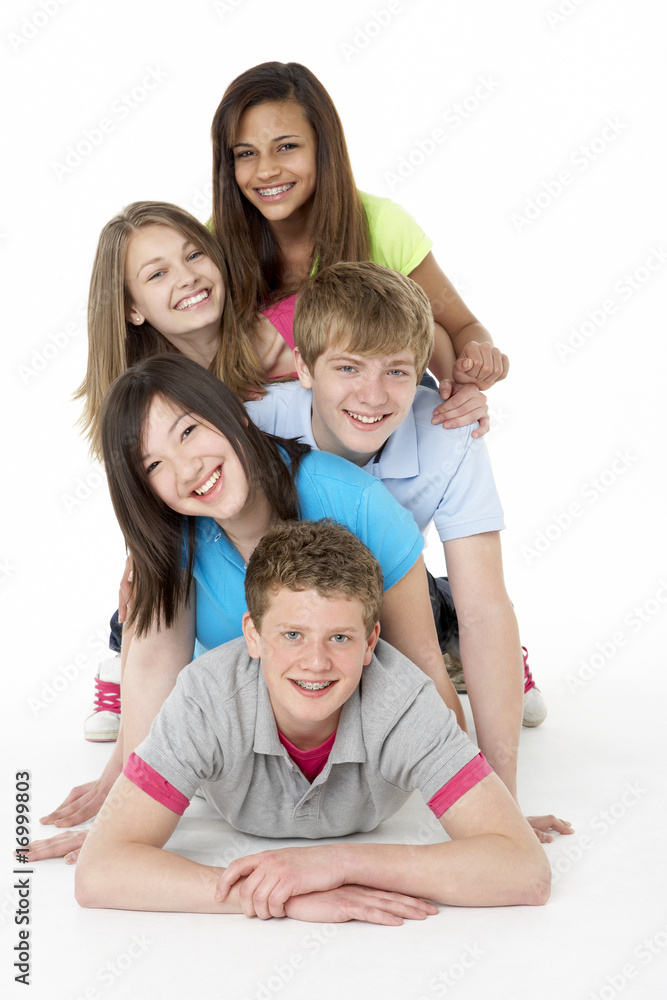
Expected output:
(538, 887)
(82, 888)
(87, 887)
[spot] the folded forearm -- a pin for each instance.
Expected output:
(141, 877)
(487, 870)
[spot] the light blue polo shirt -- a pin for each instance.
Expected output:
(438, 475)
(328, 486)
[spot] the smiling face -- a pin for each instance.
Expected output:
(191, 466)
(174, 286)
(275, 160)
(357, 401)
(312, 649)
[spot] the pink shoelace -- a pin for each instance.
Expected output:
(528, 682)
(107, 696)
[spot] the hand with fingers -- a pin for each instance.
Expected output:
(82, 803)
(482, 364)
(463, 405)
(542, 824)
(270, 878)
(358, 902)
(67, 845)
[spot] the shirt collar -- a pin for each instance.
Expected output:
(399, 459)
(349, 742)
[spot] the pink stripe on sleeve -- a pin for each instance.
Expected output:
(463, 781)
(148, 780)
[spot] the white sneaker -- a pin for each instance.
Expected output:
(103, 723)
(534, 705)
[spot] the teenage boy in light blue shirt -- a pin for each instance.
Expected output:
(363, 335)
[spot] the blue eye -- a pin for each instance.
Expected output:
(340, 638)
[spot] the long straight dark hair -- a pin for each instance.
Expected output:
(154, 533)
(338, 220)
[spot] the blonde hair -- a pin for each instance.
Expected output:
(314, 555)
(114, 343)
(366, 309)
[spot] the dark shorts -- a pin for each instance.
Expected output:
(116, 633)
(444, 614)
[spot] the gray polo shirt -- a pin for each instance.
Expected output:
(217, 730)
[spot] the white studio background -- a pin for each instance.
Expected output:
(527, 139)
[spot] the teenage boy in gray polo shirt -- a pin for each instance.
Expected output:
(309, 727)
(363, 335)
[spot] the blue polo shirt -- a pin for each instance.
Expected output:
(438, 475)
(328, 486)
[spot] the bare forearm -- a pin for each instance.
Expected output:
(141, 877)
(487, 870)
(151, 666)
(471, 331)
(491, 658)
(442, 360)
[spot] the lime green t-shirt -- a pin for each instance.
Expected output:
(396, 239)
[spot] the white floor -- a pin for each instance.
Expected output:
(468, 114)
(597, 760)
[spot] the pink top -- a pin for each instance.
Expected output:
(312, 761)
(282, 316)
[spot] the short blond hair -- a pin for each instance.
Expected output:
(366, 309)
(314, 555)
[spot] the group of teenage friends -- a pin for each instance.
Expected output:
(253, 388)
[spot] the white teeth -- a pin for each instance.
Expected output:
(209, 483)
(309, 686)
(365, 420)
(193, 300)
(277, 190)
